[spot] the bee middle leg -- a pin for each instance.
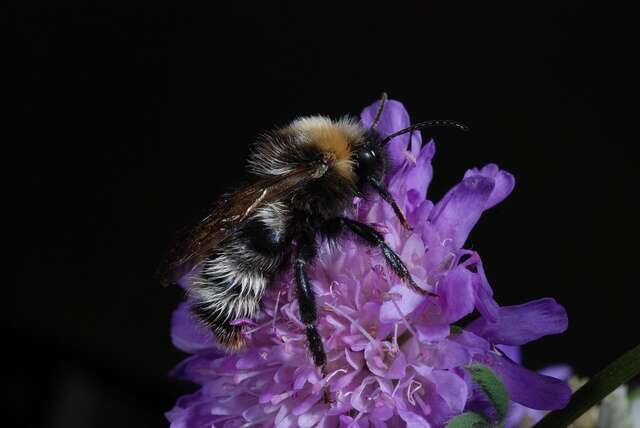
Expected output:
(375, 239)
(308, 309)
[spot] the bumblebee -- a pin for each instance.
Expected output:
(302, 179)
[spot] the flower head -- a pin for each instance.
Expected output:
(395, 357)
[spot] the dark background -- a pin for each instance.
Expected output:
(128, 120)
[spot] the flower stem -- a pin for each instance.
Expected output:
(602, 384)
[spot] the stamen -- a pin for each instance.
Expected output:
(260, 327)
(498, 351)
(328, 378)
(395, 336)
(395, 389)
(354, 322)
(410, 392)
(406, 323)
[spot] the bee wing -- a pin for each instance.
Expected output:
(227, 216)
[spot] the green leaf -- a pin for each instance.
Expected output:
(493, 387)
(602, 384)
(468, 420)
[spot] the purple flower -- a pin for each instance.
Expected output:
(394, 359)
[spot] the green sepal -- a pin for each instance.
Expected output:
(468, 420)
(491, 384)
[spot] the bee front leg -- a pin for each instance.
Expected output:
(308, 309)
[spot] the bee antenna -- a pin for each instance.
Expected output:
(427, 124)
(376, 119)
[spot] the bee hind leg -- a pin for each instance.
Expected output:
(308, 308)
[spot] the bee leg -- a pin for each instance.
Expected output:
(387, 197)
(308, 308)
(375, 239)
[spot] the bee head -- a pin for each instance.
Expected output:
(369, 160)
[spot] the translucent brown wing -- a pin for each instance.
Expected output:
(227, 216)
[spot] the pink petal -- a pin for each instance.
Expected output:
(520, 324)
(456, 214)
(504, 183)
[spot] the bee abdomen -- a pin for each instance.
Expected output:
(223, 293)
(265, 242)
(232, 280)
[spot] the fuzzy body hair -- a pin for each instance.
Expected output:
(231, 282)
(279, 152)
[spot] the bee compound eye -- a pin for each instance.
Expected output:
(366, 157)
(367, 161)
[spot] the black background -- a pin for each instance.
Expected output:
(128, 120)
